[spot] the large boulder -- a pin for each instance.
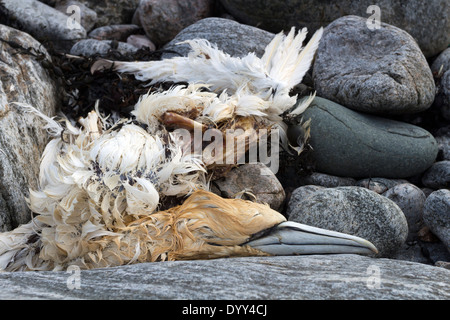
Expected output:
(22, 137)
(316, 277)
(427, 21)
(379, 71)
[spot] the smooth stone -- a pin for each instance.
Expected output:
(22, 136)
(88, 17)
(300, 194)
(163, 20)
(375, 71)
(49, 24)
(379, 185)
(119, 32)
(436, 215)
(256, 179)
(356, 211)
(230, 36)
(438, 175)
(411, 200)
(441, 72)
(326, 180)
(316, 277)
(423, 252)
(444, 146)
(351, 144)
(90, 47)
(110, 12)
(427, 21)
(141, 41)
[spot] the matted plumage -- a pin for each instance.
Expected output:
(101, 185)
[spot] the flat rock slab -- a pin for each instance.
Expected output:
(301, 277)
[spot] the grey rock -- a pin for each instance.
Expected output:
(22, 139)
(230, 36)
(119, 32)
(163, 20)
(90, 47)
(300, 194)
(356, 211)
(379, 185)
(375, 71)
(444, 146)
(336, 277)
(427, 21)
(411, 200)
(423, 252)
(441, 72)
(88, 17)
(326, 180)
(141, 41)
(42, 21)
(438, 175)
(111, 12)
(257, 180)
(351, 144)
(436, 215)
(442, 61)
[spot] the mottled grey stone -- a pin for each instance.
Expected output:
(411, 200)
(326, 180)
(41, 21)
(436, 215)
(163, 20)
(90, 47)
(336, 277)
(88, 17)
(379, 185)
(22, 137)
(119, 32)
(351, 144)
(427, 21)
(230, 36)
(441, 72)
(300, 194)
(356, 211)
(112, 11)
(444, 146)
(438, 175)
(257, 180)
(378, 71)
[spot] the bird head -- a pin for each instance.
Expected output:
(214, 227)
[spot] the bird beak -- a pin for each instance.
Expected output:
(291, 238)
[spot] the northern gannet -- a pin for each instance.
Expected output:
(101, 186)
(97, 206)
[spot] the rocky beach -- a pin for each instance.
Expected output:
(376, 163)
